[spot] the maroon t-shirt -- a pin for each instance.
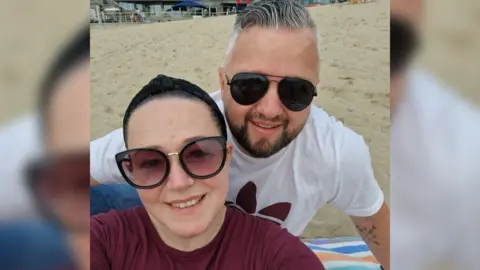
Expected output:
(127, 240)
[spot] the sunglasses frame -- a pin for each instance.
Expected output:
(121, 157)
(32, 171)
(257, 75)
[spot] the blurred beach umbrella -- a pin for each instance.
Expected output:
(185, 4)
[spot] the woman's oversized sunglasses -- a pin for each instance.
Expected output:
(146, 168)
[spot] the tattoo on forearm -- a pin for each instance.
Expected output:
(368, 234)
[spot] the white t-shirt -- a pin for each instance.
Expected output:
(19, 144)
(326, 163)
(435, 176)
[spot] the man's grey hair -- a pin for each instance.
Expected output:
(289, 14)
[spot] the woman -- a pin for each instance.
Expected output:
(178, 159)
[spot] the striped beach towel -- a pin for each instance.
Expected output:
(345, 253)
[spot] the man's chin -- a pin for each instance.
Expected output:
(261, 148)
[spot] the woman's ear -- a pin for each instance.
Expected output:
(229, 151)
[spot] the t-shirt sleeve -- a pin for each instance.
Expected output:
(356, 193)
(98, 243)
(289, 253)
(103, 167)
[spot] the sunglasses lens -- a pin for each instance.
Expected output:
(62, 185)
(145, 167)
(247, 88)
(296, 94)
(204, 157)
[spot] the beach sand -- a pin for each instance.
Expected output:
(354, 76)
(32, 34)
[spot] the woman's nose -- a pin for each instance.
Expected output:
(178, 179)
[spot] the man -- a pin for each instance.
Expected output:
(435, 147)
(58, 181)
(290, 158)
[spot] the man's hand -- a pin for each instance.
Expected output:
(93, 182)
(375, 231)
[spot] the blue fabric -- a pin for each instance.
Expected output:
(39, 245)
(104, 198)
(32, 245)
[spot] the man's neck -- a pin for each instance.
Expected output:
(397, 90)
(192, 243)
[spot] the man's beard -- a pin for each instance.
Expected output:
(263, 148)
(404, 42)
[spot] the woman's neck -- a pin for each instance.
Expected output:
(193, 243)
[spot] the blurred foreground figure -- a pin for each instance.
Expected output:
(435, 160)
(59, 180)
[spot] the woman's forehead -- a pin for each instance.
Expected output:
(170, 122)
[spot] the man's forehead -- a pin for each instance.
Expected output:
(408, 9)
(276, 52)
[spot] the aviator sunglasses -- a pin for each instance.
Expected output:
(146, 168)
(296, 94)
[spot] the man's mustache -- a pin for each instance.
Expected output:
(404, 42)
(260, 117)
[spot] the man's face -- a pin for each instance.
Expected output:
(265, 127)
(410, 10)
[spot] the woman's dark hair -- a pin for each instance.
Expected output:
(74, 53)
(163, 86)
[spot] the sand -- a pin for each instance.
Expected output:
(354, 75)
(32, 33)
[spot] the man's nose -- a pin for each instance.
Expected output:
(177, 179)
(270, 105)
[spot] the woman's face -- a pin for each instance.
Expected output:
(169, 124)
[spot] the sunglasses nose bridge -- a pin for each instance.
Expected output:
(177, 179)
(270, 104)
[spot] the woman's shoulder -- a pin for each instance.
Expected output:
(119, 221)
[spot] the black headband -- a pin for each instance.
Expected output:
(162, 85)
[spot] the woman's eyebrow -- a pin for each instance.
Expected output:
(190, 139)
(184, 142)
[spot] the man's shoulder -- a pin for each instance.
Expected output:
(442, 112)
(329, 134)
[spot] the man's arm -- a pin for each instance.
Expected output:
(93, 182)
(103, 167)
(375, 231)
(357, 194)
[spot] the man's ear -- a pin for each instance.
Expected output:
(221, 79)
